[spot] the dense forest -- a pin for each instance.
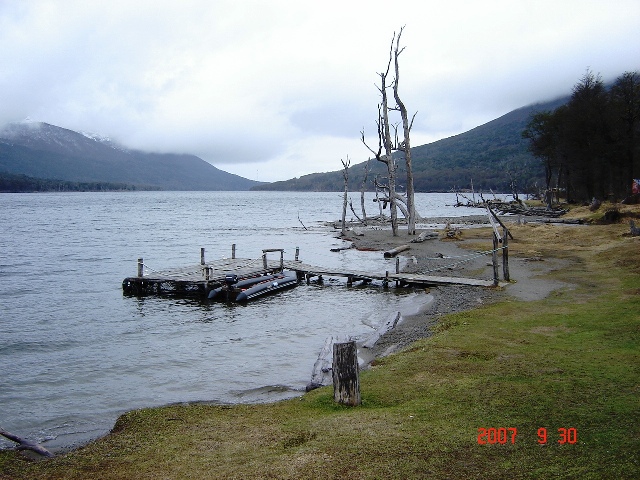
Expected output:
(10, 183)
(590, 146)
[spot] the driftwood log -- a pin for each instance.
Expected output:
(515, 208)
(395, 251)
(390, 324)
(339, 249)
(425, 236)
(565, 221)
(519, 209)
(24, 444)
(321, 374)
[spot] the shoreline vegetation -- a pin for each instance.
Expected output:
(553, 356)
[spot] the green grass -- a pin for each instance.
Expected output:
(571, 360)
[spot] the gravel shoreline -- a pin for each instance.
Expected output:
(447, 299)
(444, 256)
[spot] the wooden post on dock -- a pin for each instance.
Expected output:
(202, 262)
(297, 253)
(233, 251)
(267, 250)
(397, 270)
(505, 255)
(140, 267)
(385, 282)
(346, 374)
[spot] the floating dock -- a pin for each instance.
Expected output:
(199, 280)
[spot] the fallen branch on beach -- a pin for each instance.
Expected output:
(395, 251)
(339, 249)
(516, 207)
(425, 236)
(24, 444)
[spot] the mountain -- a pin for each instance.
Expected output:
(45, 151)
(491, 155)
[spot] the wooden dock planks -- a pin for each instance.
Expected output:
(198, 280)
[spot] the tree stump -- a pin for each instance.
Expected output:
(346, 374)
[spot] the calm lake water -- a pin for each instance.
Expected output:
(75, 353)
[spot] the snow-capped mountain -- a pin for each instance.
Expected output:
(46, 151)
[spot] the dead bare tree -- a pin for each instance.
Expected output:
(378, 200)
(345, 174)
(363, 187)
(390, 145)
(405, 145)
(385, 142)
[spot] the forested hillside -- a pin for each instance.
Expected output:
(491, 156)
(10, 183)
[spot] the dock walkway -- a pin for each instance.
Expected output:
(198, 280)
(310, 271)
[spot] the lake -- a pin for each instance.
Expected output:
(76, 353)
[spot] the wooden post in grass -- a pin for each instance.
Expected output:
(505, 255)
(346, 374)
(494, 257)
(493, 220)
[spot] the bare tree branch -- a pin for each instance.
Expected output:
(412, 119)
(24, 444)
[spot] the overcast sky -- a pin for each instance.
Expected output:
(272, 90)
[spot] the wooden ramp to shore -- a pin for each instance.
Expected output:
(310, 271)
(198, 280)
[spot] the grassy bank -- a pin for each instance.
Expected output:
(571, 360)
